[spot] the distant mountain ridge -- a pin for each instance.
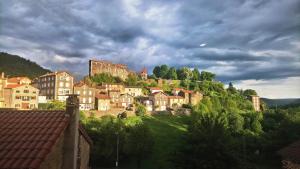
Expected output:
(14, 65)
(281, 102)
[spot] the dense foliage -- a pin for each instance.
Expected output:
(13, 65)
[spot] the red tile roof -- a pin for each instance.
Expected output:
(155, 88)
(11, 86)
(291, 152)
(16, 79)
(26, 137)
(102, 96)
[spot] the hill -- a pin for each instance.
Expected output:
(14, 65)
(280, 102)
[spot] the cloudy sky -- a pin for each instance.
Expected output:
(254, 44)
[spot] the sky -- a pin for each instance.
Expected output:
(254, 44)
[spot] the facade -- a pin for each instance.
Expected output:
(155, 89)
(100, 66)
(125, 100)
(290, 156)
(110, 86)
(144, 74)
(114, 95)
(133, 91)
(86, 96)
(159, 100)
(175, 101)
(175, 91)
(19, 80)
(60, 142)
(56, 86)
(256, 102)
(21, 96)
(102, 102)
(3, 82)
(191, 97)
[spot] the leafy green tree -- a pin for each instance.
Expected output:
(164, 69)
(139, 142)
(196, 74)
(172, 74)
(103, 78)
(207, 76)
(249, 92)
(184, 73)
(140, 110)
(131, 80)
(156, 71)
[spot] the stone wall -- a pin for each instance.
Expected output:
(119, 70)
(84, 153)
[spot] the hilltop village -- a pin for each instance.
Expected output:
(101, 98)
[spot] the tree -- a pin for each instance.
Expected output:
(249, 92)
(139, 142)
(231, 89)
(156, 71)
(172, 74)
(184, 73)
(103, 78)
(140, 110)
(164, 69)
(196, 74)
(207, 76)
(131, 80)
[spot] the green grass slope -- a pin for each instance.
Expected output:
(13, 65)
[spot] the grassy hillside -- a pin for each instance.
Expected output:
(13, 65)
(280, 102)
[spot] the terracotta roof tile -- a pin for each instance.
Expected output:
(26, 137)
(11, 86)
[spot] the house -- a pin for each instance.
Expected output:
(175, 91)
(155, 89)
(175, 101)
(133, 91)
(191, 97)
(56, 85)
(3, 82)
(113, 86)
(37, 139)
(256, 102)
(146, 102)
(125, 100)
(290, 156)
(114, 95)
(102, 102)
(144, 74)
(86, 96)
(21, 96)
(159, 100)
(19, 80)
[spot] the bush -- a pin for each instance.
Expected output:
(140, 110)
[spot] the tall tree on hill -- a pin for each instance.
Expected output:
(208, 76)
(172, 74)
(196, 74)
(231, 89)
(164, 69)
(249, 92)
(184, 73)
(156, 71)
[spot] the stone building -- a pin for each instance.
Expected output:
(38, 139)
(191, 97)
(86, 96)
(21, 96)
(144, 74)
(125, 100)
(159, 100)
(3, 82)
(113, 86)
(133, 91)
(101, 66)
(256, 102)
(56, 85)
(102, 102)
(175, 101)
(114, 95)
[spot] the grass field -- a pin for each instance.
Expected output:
(167, 131)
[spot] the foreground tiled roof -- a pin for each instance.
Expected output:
(291, 152)
(26, 137)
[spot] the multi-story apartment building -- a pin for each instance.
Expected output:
(100, 66)
(56, 85)
(159, 100)
(86, 96)
(133, 91)
(21, 96)
(3, 82)
(113, 86)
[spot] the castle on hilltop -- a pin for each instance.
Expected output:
(100, 66)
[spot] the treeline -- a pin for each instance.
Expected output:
(13, 65)
(184, 73)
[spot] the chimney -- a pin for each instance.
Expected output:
(71, 133)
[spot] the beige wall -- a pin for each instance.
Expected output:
(178, 101)
(84, 153)
(96, 67)
(103, 104)
(22, 97)
(133, 91)
(2, 85)
(86, 97)
(256, 102)
(160, 101)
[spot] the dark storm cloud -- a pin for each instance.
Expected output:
(237, 39)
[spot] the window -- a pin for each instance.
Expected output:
(17, 105)
(18, 97)
(78, 92)
(83, 100)
(84, 92)
(25, 98)
(61, 84)
(18, 91)
(26, 91)
(90, 92)
(67, 84)
(33, 98)
(34, 92)
(90, 100)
